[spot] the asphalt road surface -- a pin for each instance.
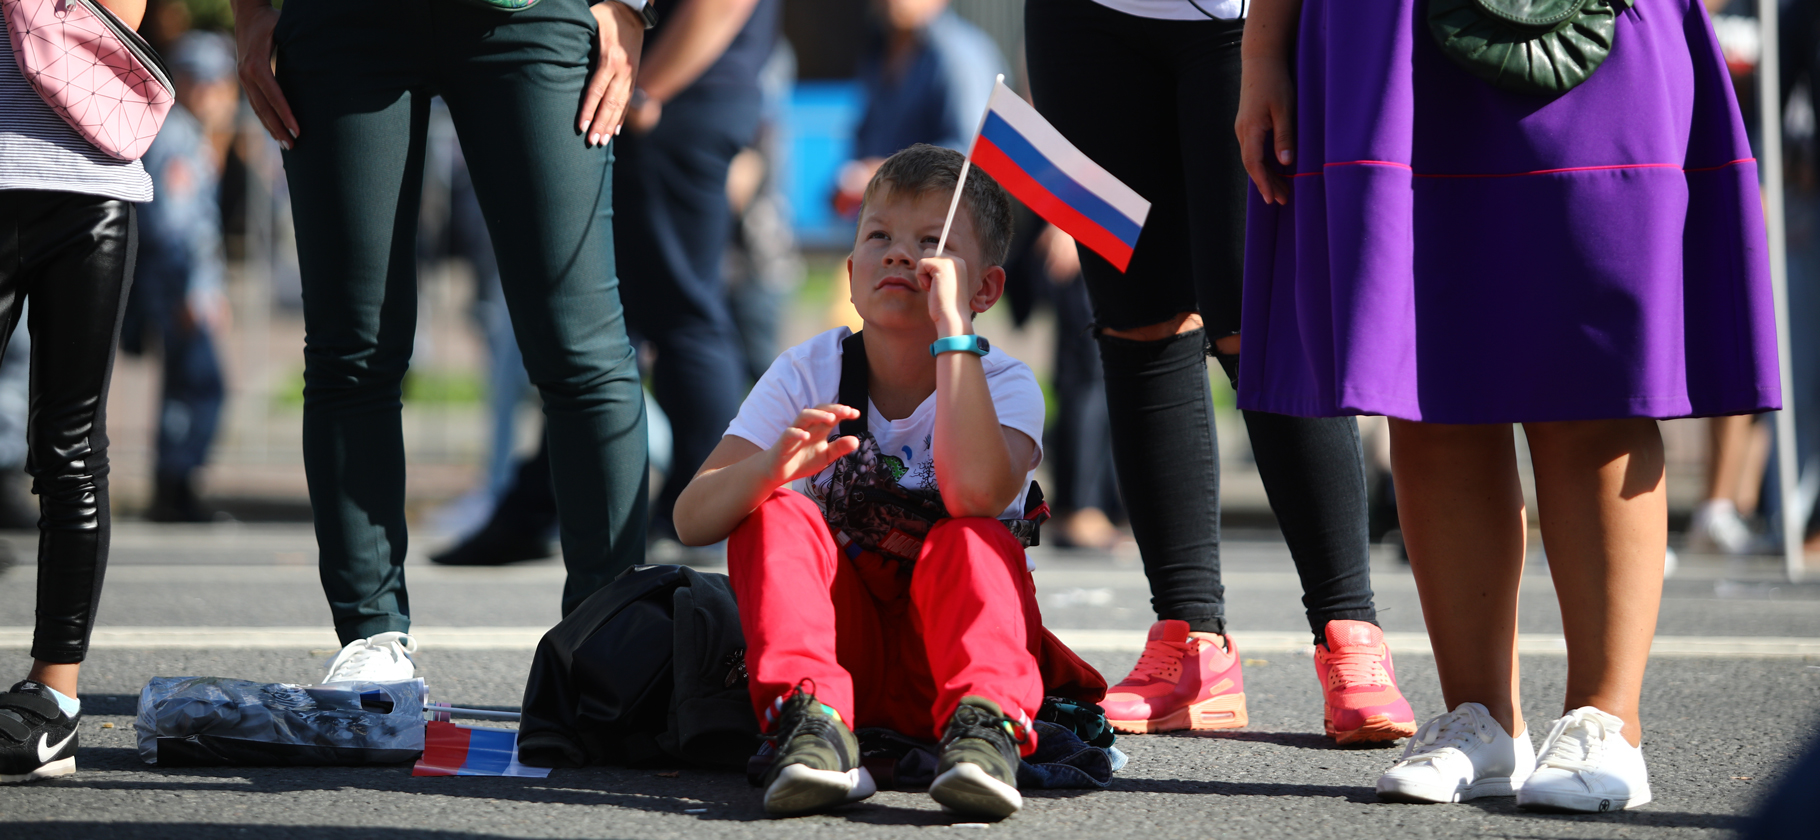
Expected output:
(1731, 698)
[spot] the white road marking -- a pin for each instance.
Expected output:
(1113, 641)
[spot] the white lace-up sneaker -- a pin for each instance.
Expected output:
(382, 658)
(1586, 765)
(1718, 528)
(1461, 755)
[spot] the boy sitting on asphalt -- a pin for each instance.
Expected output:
(868, 596)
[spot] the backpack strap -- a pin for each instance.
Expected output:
(853, 383)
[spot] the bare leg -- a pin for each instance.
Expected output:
(1461, 507)
(57, 676)
(1729, 440)
(1603, 506)
(1756, 461)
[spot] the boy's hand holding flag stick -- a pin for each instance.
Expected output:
(1037, 165)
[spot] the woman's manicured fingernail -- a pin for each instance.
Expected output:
(594, 139)
(584, 124)
(1284, 156)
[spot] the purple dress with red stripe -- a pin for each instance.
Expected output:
(1457, 253)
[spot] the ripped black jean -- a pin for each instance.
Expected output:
(72, 256)
(1176, 88)
(1168, 458)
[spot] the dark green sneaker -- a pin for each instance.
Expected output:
(818, 760)
(977, 775)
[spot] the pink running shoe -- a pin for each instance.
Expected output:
(1360, 685)
(1182, 681)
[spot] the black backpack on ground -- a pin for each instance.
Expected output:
(649, 669)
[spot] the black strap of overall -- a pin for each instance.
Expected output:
(855, 392)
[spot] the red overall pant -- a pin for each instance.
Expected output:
(883, 653)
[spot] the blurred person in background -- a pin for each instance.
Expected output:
(927, 75)
(67, 242)
(763, 264)
(177, 291)
(507, 384)
(1737, 454)
(1800, 76)
(695, 104)
(1738, 447)
(1088, 507)
(536, 97)
(1044, 268)
(18, 511)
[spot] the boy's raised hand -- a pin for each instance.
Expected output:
(941, 278)
(804, 449)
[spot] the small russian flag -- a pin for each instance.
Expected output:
(1034, 162)
(453, 750)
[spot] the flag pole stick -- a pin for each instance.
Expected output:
(966, 165)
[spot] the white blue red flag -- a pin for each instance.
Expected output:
(1035, 163)
(454, 750)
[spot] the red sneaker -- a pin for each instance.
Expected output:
(1360, 685)
(1182, 681)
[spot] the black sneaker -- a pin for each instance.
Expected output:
(37, 740)
(496, 544)
(977, 775)
(818, 761)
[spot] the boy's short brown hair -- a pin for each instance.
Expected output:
(923, 168)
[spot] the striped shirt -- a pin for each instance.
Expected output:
(1181, 9)
(39, 151)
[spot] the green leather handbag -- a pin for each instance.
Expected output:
(1544, 47)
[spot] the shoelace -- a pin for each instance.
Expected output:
(795, 716)
(974, 722)
(1455, 730)
(1162, 660)
(1577, 743)
(371, 656)
(1356, 669)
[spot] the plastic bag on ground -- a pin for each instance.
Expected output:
(216, 722)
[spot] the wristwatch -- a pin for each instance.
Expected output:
(646, 9)
(977, 345)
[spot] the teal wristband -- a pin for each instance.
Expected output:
(974, 344)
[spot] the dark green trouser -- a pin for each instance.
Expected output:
(359, 75)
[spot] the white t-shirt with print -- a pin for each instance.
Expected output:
(808, 375)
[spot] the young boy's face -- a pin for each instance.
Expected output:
(896, 230)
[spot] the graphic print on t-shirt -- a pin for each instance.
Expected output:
(864, 497)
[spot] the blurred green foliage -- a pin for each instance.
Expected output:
(210, 14)
(421, 387)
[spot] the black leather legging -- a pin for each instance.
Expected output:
(72, 256)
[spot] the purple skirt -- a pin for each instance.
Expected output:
(1456, 253)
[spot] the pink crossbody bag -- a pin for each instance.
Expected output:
(93, 70)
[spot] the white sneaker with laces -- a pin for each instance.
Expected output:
(1717, 528)
(1461, 755)
(1586, 765)
(382, 658)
